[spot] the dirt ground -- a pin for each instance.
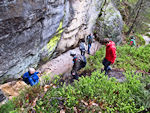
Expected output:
(63, 63)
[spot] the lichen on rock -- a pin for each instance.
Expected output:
(52, 44)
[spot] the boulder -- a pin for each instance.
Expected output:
(109, 23)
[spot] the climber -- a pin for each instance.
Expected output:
(89, 40)
(110, 54)
(132, 41)
(79, 61)
(31, 77)
(82, 47)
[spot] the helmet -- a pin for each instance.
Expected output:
(72, 53)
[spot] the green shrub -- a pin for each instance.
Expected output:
(107, 93)
(125, 28)
(139, 39)
(128, 58)
(6, 108)
(45, 79)
(148, 34)
(24, 101)
(114, 96)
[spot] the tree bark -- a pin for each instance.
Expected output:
(137, 14)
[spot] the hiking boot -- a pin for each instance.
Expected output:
(102, 70)
(106, 73)
(109, 68)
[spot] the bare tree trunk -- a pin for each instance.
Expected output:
(137, 14)
(133, 11)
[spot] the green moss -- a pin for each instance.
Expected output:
(45, 59)
(53, 42)
(51, 45)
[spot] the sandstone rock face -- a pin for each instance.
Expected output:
(85, 13)
(26, 26)
(34, 30)
(110, 23)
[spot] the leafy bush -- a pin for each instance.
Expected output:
(24, 102)
(148, 34)
(107, 93)
(125, 28)
(96, 92)
(128, 58)
(6, 108)
(139, 39)
(95, 62)
(45, 79)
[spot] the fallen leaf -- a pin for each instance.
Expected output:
(62, 111)
(84, 102)
(34, 102)
(75, 110)
(54, 86)
(94, 104)
(46, 87)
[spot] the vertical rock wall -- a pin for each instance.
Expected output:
(26, 26)
(31, 30)
(85, 13)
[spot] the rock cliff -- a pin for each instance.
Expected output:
(35, 30)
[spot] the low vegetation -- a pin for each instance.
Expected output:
(97, 92)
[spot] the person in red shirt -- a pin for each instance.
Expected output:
(110, 54)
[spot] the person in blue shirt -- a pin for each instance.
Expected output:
(31, 77)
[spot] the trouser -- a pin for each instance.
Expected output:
(82, 52)
(89, 46)
(33, 82)
(106, 64)
(74, 74)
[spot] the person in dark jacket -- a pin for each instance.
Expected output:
(89, 40)
(79, 61)
(110, 54)
(82, 47)
(31, 77)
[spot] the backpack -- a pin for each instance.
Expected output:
(132, 42)
(82, 46)
(90, 39)
(83, 61)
